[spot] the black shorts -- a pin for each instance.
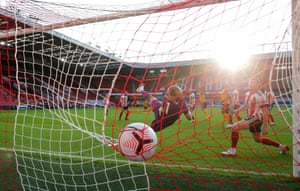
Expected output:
(204, 105)
(254, 124)
(236, 106)
(225, 108)
(125, 107)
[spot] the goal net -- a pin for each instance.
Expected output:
(66, 64)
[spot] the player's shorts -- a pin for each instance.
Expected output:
(236, 106)
(225, 108)
(126, 107)
(254, 124)
(204, 105)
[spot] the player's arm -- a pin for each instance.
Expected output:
(189, 116)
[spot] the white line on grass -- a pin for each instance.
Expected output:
(152, 163)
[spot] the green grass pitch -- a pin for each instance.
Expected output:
(48, 136)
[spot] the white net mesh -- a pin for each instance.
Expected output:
(69, 58)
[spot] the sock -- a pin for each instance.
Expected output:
(205, 112)
(127, 114)
(267, 141)
(229, 118)
(234, 139)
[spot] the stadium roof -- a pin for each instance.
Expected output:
(51, 12)
(52, 44)
(37, 15)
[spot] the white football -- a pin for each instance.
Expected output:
(137, 142)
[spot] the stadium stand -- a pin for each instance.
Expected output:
(48, 45)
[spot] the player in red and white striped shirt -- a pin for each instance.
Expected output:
(192, 101)
(124, 103)
(257, 115)
(234, 104)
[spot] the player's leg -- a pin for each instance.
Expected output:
(191, 107)
(238, 117)
(263, 140)
(154, 102)
(237, 114)
(224, 111)
(156, 106)
(266, 141)
(127, 114)
(230, 120)
(140, 89)
(243, 124)
(121, 114)
(271, 118)
(204, 110)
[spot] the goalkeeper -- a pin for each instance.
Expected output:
(168, 111)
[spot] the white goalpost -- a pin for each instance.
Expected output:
(65, 66)
(99, 18)
(296, 87)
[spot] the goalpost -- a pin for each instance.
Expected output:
(296, 87)
(65, 65)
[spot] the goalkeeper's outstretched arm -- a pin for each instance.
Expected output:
(189, 116)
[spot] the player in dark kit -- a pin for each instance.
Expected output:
(168, 111)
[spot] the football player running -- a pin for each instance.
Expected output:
(257, 115)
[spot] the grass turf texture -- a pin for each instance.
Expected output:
(68, 157)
